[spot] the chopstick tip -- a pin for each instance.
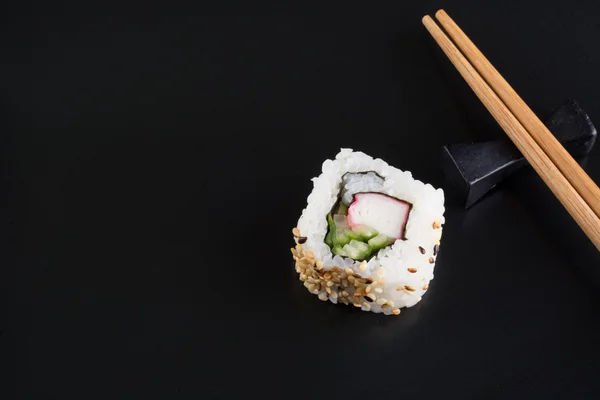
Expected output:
(441, 13)
(426, 19)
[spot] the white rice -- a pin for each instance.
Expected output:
(392, 264)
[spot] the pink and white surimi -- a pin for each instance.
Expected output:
(385, 214)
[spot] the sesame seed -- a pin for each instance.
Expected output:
(334, 294)
(410, 288)
(380, 272)
(378, 290)
(323, 296)
(436, 249)
(422, 250)
(400, 288)
(328, 290)
(351, 279)
(368, 289)
(299, 247)
(294, 252)
(336, 269)
(412, 270)
(366, 306)
(310, 254)
(363, 266)
(396, 311)
(306, 285)
(344, 282)
(296, 232)
(302, 239)
(425, 287)
(311, 286)
(437, 224)
(391, 303)
(367, 298)
(372, 296)
(349, 272)
(344, 293)
(319, 264)
(303, 277)
(369, 280)
(431, 260)
(327, 275)
(381, 301)
(329, 283)
(356, 304)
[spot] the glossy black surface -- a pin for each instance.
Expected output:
(473, 169)
(156, 157)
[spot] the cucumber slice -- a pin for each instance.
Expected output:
(380, 241)
(365, 232)
(353, 235)
(341, 222)
(331, 234)
(351, 252)
(363, 249)
(330, 222)
(340, 238)
(342, 209)
(338, 251)
(357, 250)
(329, 239)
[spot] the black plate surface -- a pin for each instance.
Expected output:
(156, 157)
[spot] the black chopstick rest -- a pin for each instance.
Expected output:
(473, 169)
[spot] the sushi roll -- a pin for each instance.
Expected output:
(369, 235)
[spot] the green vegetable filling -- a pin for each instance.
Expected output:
(358, 243)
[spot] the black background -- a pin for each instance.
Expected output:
(155, 158)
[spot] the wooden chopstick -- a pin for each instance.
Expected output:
(579, 210)
(536, 128)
